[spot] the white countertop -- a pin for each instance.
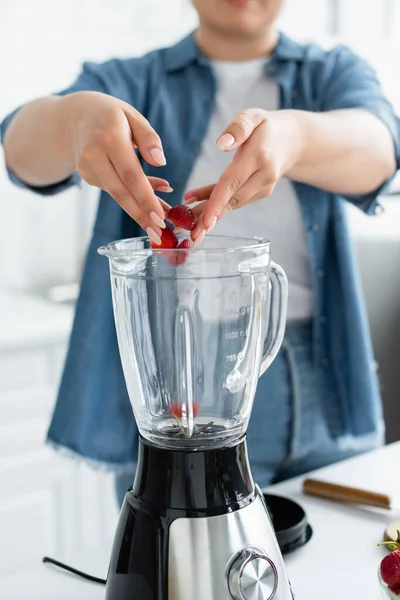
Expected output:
(339, 563)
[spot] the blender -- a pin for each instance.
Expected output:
(196, 328)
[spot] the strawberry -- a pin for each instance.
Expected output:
(185, 244)
(390, 566)
(182, 216)
(179, 258)
(168, 239)
(390, 571)
(176, 410)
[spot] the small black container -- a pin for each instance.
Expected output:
(290, 523)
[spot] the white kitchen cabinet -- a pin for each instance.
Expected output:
(33, 340)
(48, 504)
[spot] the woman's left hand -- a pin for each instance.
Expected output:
(268, 144)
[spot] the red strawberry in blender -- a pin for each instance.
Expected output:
(168, 240)
(176, 410)
(179, 258)
(182, 217)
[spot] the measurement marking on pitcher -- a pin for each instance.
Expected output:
(233, 335)
(233, 357)
(235, 311)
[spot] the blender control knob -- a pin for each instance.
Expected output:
(252, 576)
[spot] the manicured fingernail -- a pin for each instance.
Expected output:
(212, 224)
(225, 141)
(190, 200)
(200, 237)
(165, 188)
(158, 156)
(157, 220)
(153, 236)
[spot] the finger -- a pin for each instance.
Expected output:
(254, 189)
(232, 179)
(236, 203)
(255, 185)
(200, 230)
(199, 209)
(112, 184)
(92, 179)
(198, 194)
(160, 185)
(166, 207)
(145, 138)
(129, 169)
(240, 129)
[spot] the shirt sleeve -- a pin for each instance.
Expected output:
(350, 82)
(91, 79)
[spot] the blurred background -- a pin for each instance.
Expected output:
(43, 243)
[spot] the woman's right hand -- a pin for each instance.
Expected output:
(104, 133)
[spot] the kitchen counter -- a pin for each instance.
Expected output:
(340, 561)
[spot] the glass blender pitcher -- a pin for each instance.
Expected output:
(196, 328)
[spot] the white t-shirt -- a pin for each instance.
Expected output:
(277, 217)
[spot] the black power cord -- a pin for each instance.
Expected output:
(51, 561)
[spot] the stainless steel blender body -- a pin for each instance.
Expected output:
(244, 563)
(195, 526)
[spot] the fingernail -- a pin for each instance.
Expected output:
(153, 236)
(212, 224)
(225, 141)
(190, 200)
(200, 237)
(158, 156)
(157, 220)
(165, 188)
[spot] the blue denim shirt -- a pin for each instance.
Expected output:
(175, 89)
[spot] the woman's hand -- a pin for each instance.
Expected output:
(267, 144)
(347, 152)
(104, 133)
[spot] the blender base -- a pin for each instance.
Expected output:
(195, 527)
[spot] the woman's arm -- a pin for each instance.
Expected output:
(345, 151)
(37, 144)
(349, 152)
(346, 141)
(96, 135)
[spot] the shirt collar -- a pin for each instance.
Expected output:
(186, 52)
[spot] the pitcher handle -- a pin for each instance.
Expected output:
(279, 294)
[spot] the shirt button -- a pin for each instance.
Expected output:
(379, 210)
(315, 227)
(320, 273)
(324, 362)
(322, 319)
